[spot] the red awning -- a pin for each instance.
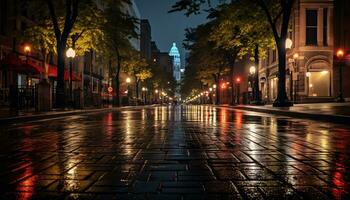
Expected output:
(13, 63)
(53, 73)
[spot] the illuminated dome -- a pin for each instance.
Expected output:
(174, 52)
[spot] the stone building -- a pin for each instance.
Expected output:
(311, 72)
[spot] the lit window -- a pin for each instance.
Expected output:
(311, 27)
(319, 84)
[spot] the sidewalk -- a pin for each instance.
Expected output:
(9, 118)
(331, 112)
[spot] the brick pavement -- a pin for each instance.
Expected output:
(169, 153)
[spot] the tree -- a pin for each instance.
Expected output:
(118, 30)
(62, 34)
(42, 39)
(240, 33)
(206, 63)
(138, 68)
(63, 23)
(277, 13)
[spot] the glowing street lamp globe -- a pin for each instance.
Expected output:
(27, 49)
(340, 54)
(70, 53)
(252, 70)
(289, 43)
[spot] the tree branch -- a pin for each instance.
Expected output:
(54, 19)
(263, 5)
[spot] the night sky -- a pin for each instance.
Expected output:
(167, 27)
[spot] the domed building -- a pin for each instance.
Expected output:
(174, 53)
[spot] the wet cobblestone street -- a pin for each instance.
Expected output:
(188, 152)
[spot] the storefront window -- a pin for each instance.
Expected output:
(319, 84)
(273, 88)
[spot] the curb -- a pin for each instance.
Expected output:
(340, 119)
(35, 117)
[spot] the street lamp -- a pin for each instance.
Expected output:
(27, 50)
(157, 95)
(128, 81)
(340, 55)
(289, 43)
(70, 54)
(144, 90)
(252, 70)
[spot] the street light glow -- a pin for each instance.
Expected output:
(340, 53)
(70, 53)
(296, 56)
(128, 80)
(252, 70)
(289, 43)
(27, 49)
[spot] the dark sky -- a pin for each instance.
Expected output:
(167, 27)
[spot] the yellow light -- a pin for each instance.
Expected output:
(156, 91)
(308, 74)
(296, 56)
(340, 53)
(128, 80)
(252, 70)
(324, 72)
(289, 43)
(214, 86)
(27, 49)
(70, 53)
(210, 89)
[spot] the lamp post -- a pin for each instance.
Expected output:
(296, 80)
(70, 54)
(252, 71)
(128, 81)
(238, 85)
(144, 90)
(289, 44)
(27, 50)
(157, 95)
(340, 55)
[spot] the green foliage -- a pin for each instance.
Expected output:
(137, 67)
(205, 63)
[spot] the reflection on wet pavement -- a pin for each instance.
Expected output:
(188, 152)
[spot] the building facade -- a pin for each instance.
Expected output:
(145, 39)
(175, 54)
(311, 72)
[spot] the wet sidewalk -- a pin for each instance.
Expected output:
(8, 117)
(334, 112)
(179, 152)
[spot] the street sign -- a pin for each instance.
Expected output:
(295, 76)
(110, 89)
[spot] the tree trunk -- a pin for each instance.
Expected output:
(257, 98)
(282, 99)
(60, 89)
(217, 89)
(137, 83)
(231, 60)
(117, 81)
